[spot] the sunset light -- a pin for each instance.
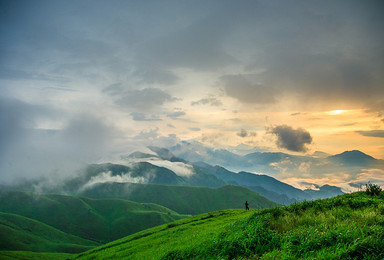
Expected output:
(336, 112)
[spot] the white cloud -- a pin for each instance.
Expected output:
(374, 176)
(179, 168)
(108, 177)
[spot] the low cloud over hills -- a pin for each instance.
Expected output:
(196, 168)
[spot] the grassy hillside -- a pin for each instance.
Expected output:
(182, 199)
(26, 255)
(346, 227)
(92, 219)
(156, 242)
(21, 233)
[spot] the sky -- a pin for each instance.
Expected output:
(82, 81)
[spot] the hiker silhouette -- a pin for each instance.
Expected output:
(246, 205)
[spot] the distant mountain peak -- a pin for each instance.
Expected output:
(353, 154)
(353, 158)
(324, 191)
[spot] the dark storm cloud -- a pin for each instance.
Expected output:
(312, 51)
(244, 90)
(37, 49)
(372, 133)
(144, 99)
(197, 45)
(290, 138)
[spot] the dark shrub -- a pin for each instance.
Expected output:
(372, 189)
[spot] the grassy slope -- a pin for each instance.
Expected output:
(156, 242)
(99, 220)
(346, 227)
(182, 199)
(21, 233)
(26, 255)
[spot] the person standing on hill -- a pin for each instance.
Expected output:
(246, 205)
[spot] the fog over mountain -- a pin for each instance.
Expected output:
(280, 177)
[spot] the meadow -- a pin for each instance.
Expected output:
(350, 226)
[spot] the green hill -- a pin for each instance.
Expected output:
(182, 199)
(157, 242)
(350, 226)
(21, 233)
(92, 219)
(27, 255)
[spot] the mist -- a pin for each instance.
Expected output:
(28, 151)
(108, 177)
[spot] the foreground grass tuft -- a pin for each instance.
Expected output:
(372, 189)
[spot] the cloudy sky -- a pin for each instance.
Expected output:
(81, 80)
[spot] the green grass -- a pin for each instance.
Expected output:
(156, 242)
(350, 226)
(182, 199)
(345, 227)
(25, 255)
(21, 233)
(93, 219)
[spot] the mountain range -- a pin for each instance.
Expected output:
(162, 167)
(106, 201)
(267, 162)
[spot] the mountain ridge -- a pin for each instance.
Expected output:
(182, 199)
